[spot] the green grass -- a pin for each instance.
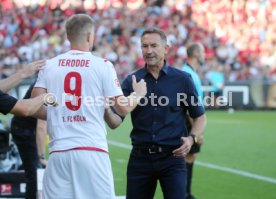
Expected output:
(4, 118)
(244, 140)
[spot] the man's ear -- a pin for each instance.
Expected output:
(88, 38)
(167, 47)
(196, 54)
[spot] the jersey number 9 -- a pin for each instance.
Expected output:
(75, 92)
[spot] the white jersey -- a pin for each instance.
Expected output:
(80, 81)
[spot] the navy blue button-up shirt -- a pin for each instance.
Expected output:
(160, 117)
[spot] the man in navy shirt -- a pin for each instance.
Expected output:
(159, 136)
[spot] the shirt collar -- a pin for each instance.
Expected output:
(165, 69)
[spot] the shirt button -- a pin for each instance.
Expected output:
(156, 82)
(154, 122)
(153, 136)
(155, 109)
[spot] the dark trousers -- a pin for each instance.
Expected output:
(26, 144)
(144, 170)
(189, 177)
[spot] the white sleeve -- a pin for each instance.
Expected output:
(111, 84)
(41, 79)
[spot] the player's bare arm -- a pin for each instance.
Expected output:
(27, 71)
(28, 107)
(41, 113)
(112, 119)
(124, 105)
(41, 133)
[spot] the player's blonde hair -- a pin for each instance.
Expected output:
(78, 25)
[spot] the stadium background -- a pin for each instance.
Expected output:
(240, 41)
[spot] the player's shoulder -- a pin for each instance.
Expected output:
(98, 58)
(101, 61)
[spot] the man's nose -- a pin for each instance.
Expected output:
(149, 50)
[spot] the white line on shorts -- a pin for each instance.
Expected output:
(210, 166)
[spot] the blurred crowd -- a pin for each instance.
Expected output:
(239, 35)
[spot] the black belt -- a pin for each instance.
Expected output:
(154, 149)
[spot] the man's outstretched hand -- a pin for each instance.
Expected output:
(140, 88)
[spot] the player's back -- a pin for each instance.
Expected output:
(80, 81)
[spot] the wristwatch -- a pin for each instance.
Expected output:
(194, 138)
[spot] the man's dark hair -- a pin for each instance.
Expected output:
(192, 49)
(156, 31)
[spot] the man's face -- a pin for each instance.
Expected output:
(153, 49)
(201, 55)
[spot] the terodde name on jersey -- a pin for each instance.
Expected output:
(74, 62)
